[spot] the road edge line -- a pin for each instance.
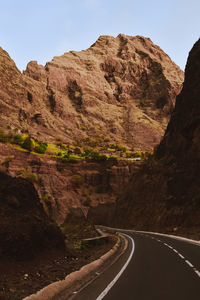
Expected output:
(111, 284)
(176, 237)
(55, 289)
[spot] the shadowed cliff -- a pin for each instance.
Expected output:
(164, 194)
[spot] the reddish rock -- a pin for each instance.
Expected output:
(123, 88)
(57, 185)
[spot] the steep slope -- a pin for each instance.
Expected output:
(123, 87)
(165, 195)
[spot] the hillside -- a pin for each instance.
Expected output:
(164, 195)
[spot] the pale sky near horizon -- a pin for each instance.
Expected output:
(41, 29)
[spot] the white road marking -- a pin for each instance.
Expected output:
(170, 247)
(181, 255)
(173, 237)
(102, 295)
(189, 263)
(197, 272)
(195, 242)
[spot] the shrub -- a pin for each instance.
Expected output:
(112, 158)
(102, 157)
(63, 147)
(24, 131)
(8, 159)
(47, 200)
(77, 180)
(120, 148)
(79, 245)
(129, 154)
(87, 201)
(64, 159)
(18, 139)
(28, 144)
(21, 172)
(41, 148)
(70, 228)
(92, 154)
(32, 177)
(111, 149)
(58, 139)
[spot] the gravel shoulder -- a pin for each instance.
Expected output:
(20, 279)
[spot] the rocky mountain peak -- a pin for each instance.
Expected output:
(124, 87)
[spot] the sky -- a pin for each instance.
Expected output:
(41, 29)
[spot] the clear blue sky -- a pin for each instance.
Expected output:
(41, 29)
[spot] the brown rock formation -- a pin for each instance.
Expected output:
(123, 87)
(165, 193)
(69, 188)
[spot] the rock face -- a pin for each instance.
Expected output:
(79, 189)
(123, 87)
(25, 229)
(164, 194)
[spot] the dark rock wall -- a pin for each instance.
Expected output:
(25, 229)
(165, 193)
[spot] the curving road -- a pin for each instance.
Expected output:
(154, 267)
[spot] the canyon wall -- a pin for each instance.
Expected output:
(164, 195)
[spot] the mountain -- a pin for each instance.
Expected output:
(121, 91)
(164, 194)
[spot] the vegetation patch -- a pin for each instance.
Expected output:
(32, 177)
(97, 150)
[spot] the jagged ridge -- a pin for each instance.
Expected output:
(124, 87)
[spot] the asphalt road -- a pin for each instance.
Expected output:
(158, 268)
